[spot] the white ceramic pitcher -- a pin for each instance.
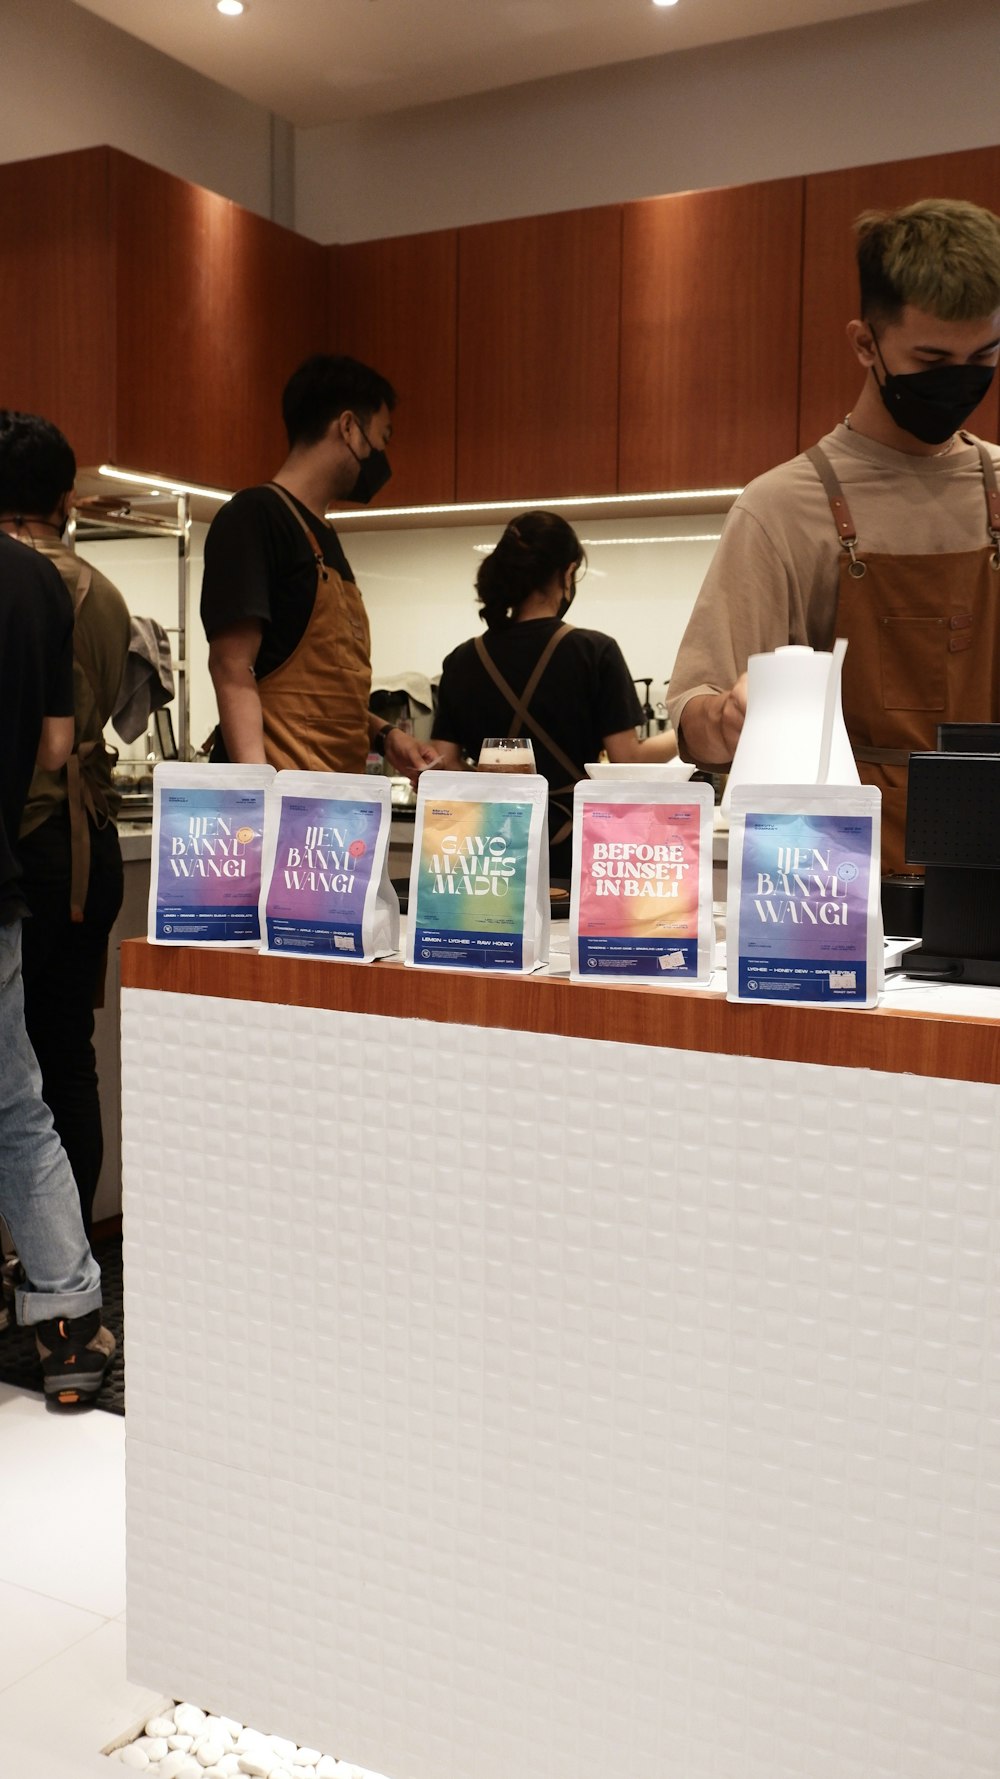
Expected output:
(794, 731)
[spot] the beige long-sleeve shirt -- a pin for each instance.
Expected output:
(774, 577)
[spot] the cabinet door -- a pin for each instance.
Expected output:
(177, 411)
(56, 296)
(278, 316)
(393, 305)
(538, 334)
(831, 375)
(216, 307)
(710, 336)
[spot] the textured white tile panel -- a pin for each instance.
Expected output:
(511, 1401)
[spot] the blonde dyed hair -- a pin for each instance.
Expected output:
(941, 255)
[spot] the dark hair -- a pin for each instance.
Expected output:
(324, 388)
(532, 550)
(37, 465)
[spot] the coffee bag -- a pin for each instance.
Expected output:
(208, 846)
(804, 920)
(325, 888)
(479, 879)
(641, 900)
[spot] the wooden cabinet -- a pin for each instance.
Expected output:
(153, 321)
(393, 304)
(56, 296)
(215, 308)
(538, 308)
(710, 336)
(831, 375)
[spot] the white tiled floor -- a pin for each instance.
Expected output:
(63, 1692)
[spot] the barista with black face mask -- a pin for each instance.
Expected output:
(289, 643)
(887, 532)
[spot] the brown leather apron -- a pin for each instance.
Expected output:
(86, 791)
(522, 719)
(924, 648)
(315, 705)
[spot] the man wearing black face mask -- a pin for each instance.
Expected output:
(289, 643)
(887, 532)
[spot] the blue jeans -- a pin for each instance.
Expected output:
(38, 1197)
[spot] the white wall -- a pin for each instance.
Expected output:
(640, 584)
(72, 81)
(916, 80)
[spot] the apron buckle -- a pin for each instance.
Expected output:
(857, 570)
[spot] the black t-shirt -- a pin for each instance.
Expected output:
(259, 564)
(36, 681)
(585, 693)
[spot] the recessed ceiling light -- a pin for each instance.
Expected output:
(233, 8)
(655, 2)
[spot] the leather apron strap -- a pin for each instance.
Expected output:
(77, 796)
(523, 719)
(322, 572)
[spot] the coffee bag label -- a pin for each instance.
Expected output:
(639, 870)
(805, 887)
(208, 864)
(469, 907)
(324, 856)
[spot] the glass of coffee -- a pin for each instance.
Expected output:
(506, 753)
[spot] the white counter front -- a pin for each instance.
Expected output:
(507, 1397)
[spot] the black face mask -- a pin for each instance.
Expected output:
(566, 601)
(373, 473)
(933, 404)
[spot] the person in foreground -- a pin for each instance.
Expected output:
(887, 532)
(289, 642)
(61, 1298)
(568, 690)
(68, 848)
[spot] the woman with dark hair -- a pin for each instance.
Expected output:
(568, 690)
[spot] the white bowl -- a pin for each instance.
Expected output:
(654, 769)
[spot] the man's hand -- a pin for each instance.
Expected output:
(409, 756)
(712, 724)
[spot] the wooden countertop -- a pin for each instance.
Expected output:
(895, 1040)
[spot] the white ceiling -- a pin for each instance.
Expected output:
(314, 61)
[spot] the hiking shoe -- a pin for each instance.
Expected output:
(75, 1352)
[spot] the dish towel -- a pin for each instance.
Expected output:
(148, 679)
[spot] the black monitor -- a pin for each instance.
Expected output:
(953, 830)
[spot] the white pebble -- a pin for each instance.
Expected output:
(304, 1771)
(229, 1764)
(215, 1773)
(280, 1773)
(308, 1757)
(189, 1719)
(209, 1751)
(161, 1726)
(327, 1767)
(155, 1746)
(181, 1744)
(171, 1764)
(248, 1739)
(284, 1749)
(190, 1769)
(257, 1765)
(233, 1728)
(134, 1757)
